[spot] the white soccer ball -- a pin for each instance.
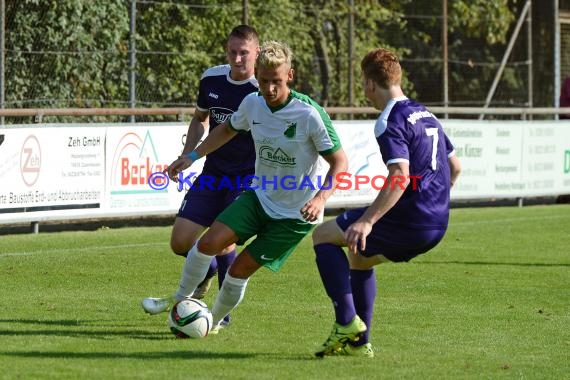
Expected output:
(190, 318)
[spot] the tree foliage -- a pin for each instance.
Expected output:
(489, 20)
(66, 52)
(74, 53)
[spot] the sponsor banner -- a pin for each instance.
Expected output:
(490, 158)
(546, 158)
(50, 167)
(500, 159)
(510, 159)
(134, 153)
(57, 172)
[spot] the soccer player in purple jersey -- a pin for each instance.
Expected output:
(402, 222)
(222, 88)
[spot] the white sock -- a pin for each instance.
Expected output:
(194, 271)
(229, 297)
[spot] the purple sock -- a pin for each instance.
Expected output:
(224, 263)
(334, 270)
(212, 269)
(363, 283)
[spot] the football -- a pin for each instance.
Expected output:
(190, 318)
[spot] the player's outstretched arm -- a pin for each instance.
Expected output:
(196, 129)
(338, 163)
(398, 180)
(217, 137)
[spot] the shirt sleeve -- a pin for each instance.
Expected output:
(449, 148)
(323, 133)
(394, 144)
(239, 121)
(202, 101)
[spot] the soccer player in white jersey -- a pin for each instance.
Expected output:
(405, 220)
(222, 88)
(290, 131)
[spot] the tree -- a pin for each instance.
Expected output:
(65, 53)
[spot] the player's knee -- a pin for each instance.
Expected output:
(327, 232)
(317, 235)
(359, 262)
(209, 246)
(179, 248)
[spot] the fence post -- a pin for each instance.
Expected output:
(245, 11)
(445, 60)
(2, 54)
(529, 58)
(132, 57)
(351, 57)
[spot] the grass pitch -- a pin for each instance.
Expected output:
(491, 301)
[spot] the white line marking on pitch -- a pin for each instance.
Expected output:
(83, 249)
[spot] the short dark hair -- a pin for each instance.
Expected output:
(245, 32)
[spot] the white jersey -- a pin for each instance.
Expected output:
(288, 140)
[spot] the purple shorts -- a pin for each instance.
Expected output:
(394, 242)
(208, 197)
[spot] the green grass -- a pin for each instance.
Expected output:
(491, 301)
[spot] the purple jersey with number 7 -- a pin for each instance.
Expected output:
(407, 131)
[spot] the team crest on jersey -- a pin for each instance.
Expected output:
(291, 130)
(270, 155)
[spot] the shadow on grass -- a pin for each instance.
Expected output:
(92, 334)
(492, 263)
(133, 355)
(58, 322)
(84, 329)
(198, 355)
(83, 333)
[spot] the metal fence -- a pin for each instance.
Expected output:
(509, 73)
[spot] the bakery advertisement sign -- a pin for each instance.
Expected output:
(134, 153)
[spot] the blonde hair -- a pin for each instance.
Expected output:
(273, 54)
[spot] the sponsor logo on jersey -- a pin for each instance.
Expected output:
(220, 115)
(212, 95)
(269, 154)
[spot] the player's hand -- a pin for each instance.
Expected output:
(312, 209)
(177, 166)
(355, 236)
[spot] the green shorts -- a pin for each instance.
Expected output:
(276, 238)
